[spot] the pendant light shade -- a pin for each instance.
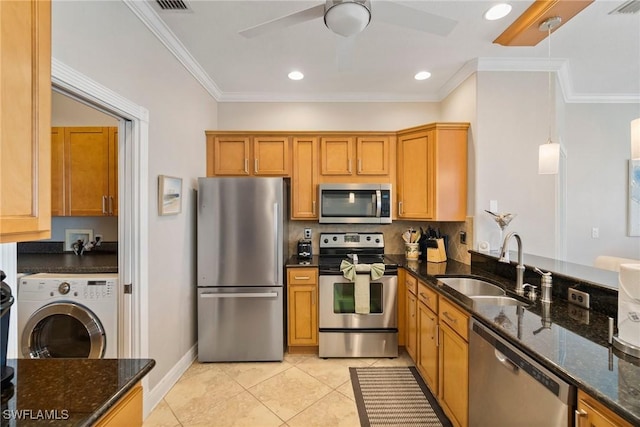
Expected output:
(347, 18)
(635, 139)
(549, 158)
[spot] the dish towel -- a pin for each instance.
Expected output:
(361, 274)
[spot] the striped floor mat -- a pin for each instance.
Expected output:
(395, 396)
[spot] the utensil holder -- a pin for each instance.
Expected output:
(436, 253)
(411, 251)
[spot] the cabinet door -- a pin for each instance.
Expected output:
(454, 376)
(58, 205)
(304, 178)
(231, 155)
(336, 155)
(428, 346)
(271, 155)
(412, 325)
(113, 171)
(126, 412)
(87, 180)
(25, 120)
(372, 155)
(303, 315)
(415, 179)
(591, 413)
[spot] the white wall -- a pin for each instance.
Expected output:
(106, 42)
(598, 140)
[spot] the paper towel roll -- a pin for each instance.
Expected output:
(629, 304)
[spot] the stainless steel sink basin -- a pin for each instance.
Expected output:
(472, 287)
(496, 300)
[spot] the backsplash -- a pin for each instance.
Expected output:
(392, 235)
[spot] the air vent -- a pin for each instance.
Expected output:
(630, 7)
(174, 5)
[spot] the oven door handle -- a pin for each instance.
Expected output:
(378, 203)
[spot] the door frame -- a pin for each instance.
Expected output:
(133, 211)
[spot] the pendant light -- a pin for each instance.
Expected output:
(549, 153)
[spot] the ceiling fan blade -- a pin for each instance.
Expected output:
(408, 17)
(284, 21)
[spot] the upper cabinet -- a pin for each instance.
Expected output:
(304, 178)
(238, 154)
(84, 174)
(25, 120)
(432, 172)
(356, 156)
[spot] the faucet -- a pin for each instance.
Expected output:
(520, 267)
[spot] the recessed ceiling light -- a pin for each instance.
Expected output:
(296, 75)
(422, 75)
(497, 12)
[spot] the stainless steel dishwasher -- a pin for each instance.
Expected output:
(508, 388)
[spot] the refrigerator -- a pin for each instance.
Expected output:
(241, 250)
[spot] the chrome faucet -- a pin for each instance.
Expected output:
(520, 267)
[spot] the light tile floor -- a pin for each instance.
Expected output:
(303, 390)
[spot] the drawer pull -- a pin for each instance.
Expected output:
(302, 277)
(449, 318)
(425, 296)
(580, 413)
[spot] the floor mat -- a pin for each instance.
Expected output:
(395, 396)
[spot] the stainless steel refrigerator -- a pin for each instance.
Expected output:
(241, 255)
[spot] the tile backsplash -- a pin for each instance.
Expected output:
(392, 235)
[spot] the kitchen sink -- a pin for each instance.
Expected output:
(472, 287)
(496, 300)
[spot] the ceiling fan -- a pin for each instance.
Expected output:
(349, 17)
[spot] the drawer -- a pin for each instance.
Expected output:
(302, 276)
(457, 319)
(428, 296)
(411, 283)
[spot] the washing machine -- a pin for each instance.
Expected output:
(72, 315)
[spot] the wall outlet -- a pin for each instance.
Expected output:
(307, 233)
(463, 237)
(578, 298)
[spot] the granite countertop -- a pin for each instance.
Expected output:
(92, 262)
(67, 392)
(570, 341)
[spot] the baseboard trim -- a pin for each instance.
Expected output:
(153, 397)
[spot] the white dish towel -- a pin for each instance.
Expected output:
(361, 274)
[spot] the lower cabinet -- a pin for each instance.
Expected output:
(427, 362)
(411, 319)
(126, 412)
(591, 413)
(302, 308)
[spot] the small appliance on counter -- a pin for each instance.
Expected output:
(304, 248)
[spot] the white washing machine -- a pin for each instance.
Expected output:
(72, 315)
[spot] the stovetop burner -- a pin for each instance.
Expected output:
(335, 247)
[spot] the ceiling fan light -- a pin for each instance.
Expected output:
(347, 18)
(498, 11)
(422, 75)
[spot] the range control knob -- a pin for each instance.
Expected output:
(368, 238)
(326, 240)
(64, 288)
(377, 240)
(335, 238)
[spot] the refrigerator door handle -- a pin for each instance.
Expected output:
(239, 295)
(276, 240)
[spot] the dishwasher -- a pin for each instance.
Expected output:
(508, 388)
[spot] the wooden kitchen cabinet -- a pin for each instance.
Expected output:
(25, 120)
(242, 154)
(591, 413)
(84, 174)
(355, 155)
(302, 309)
(304, 178)
(126, 412)
(453, 393)
(428, 340)
(411, 306)
(432, 172)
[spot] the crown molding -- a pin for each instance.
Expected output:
(150, 18)
(324, 97)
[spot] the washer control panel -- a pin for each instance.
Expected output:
(43, 286)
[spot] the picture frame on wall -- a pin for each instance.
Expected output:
(169, 195)
(634, 198)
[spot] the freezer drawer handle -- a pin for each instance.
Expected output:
(240, 295)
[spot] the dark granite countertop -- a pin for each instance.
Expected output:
(91, 262)
(569, 340)
(67, 392)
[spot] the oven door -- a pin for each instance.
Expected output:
(337, 304)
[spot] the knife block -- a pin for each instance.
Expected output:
(436, 253)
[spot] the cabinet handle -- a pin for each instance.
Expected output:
(449, 318)
(313, 207)
(579, 415)
(425, 296)
(104, 205)
(359, 165)
(110, 205)
(302, 277)
(349, 166)
(246, 165)
(255, 165)
(399, 207)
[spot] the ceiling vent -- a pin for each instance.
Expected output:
(174, 5)
(629, 7)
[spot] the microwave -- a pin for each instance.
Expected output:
(355, 203)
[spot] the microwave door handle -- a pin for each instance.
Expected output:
(378, 203)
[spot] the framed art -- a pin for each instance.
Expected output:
(73, 235)
(169, 195)
(634, 197)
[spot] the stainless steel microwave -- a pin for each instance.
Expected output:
(355, 203)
